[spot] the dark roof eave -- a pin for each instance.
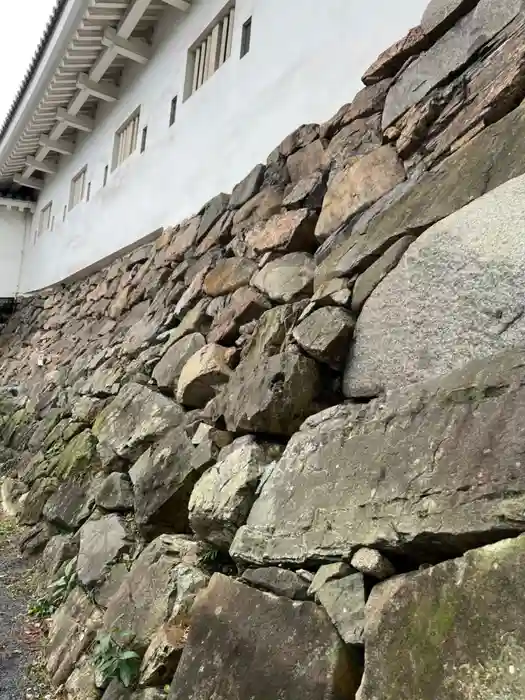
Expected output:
(56, 14)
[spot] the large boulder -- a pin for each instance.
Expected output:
(203, 374)
(462, 621)
(144, 600)
(427, 473)
(102, 543)
(456, 296)
(293, 650)
(163, 478)
(325, 335)
(71, 630)
(273, 396)
(167, 372)
(357, 186)
(224, 495)
(287, 278)
(448, 55)
(134, 418)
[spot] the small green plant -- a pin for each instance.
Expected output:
(56, 594)
(113, 661)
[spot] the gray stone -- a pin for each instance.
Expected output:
(286, 278)
(344, 601)
(144, 600)
(134, 418)
(440, 13)
(325, 335)
(454, 476)
(370, 562)
(167, 372)
(282, 582)
(213, 210)
(461, 620)
(228, 275)
(307, 160)
(163, 654)
(30, 510)
(247, 188)
(455, 297)
(308, 193)
(289, 232)
(163, 478)
(115, 493)
(273, 396)
(203, 374)
(59, 549)
(334, 291)
(224, 495)
(327, 573)
(70, 632)
(102, 542)
(358, 186)
(69, 506)
(284, 634)
(368, 280)
(448, 55)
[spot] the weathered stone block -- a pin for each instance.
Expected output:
(298, 653)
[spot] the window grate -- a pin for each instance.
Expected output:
(46, 222)
(126, 139)
(212, 51)
(78, 189)
(246, 38)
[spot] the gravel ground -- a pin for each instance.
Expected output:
(20, 638)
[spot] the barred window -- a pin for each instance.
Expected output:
(126, 139)
(45, 223)
(78, 189)
(211, 51)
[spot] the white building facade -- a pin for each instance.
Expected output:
(136, 112)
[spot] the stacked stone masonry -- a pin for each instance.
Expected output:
(283, 443)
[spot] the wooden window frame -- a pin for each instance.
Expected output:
(45, 221)
(211, 50)
(80, 177)
(126, 139)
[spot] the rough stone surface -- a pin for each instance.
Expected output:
(290, 232)
(163, 478)
(325, 335)
(282, 582)
(454, 298)
(444, 12)
(228, 275)
(358, 186)
(461, 619)
(202, 375)
(344, 602)
(134, 418)
(282, 632)
(247, 188)
(368, 280)
(448, 55)
(287, 278)
(115, 494)
(454, 479)
(167, 372)
(102, 542)
(143, 601)
(224, 495)
(274, 397)
(370, 562)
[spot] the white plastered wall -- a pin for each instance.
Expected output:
(305, 61)
(13, 226)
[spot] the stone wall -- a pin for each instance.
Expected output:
(239, 430)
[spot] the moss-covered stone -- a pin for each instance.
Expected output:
(454, 632)
(79, 457)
